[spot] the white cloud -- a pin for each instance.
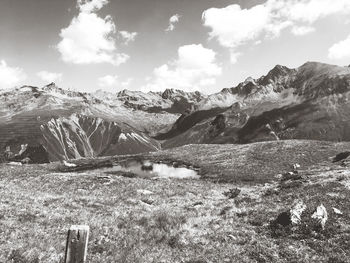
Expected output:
(302, 30)
(128, 36)
(126, 83)
(172, 21)
(194, 69)
(89, 6)
(340, 50)
(10, 76)
(89, 38)
(112, 82)
(108, 81)
(234, 27)
(49, 76)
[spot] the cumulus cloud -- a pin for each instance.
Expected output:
(128, 36)
(10, 76)
(172, 21)
(49, 76)
(234, 27)
(194, 69)
(87, 6)
(89, 39)
(112, 82)
(108, 81)
(340, 50)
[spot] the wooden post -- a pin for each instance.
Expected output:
(77, 242)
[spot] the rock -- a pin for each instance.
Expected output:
(291, 217)
(26, 160)
(341, 156)
(279, 176)
(291, 176)
(337, 211)
(283, 219)
(67, 164)
(296, 212)
(296, 166)
(144, 192)
(320, 216)
(24, 147)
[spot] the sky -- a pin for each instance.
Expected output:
(152, 45)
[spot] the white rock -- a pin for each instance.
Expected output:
(278, 176)
(144, 192)
(320, 215)
(296, 166)
(337, 211)
(296, 212)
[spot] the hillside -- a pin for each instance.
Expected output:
(172, 220)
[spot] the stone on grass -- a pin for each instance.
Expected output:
(296, 212)
(337, 211)
(144, 192)
(320, 216)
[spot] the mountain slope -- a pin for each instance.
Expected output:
(310, 102)
(73, 124)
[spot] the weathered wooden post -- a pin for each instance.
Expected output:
(77, 242)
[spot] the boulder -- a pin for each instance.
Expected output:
(320, 216)
(283, 219)
(291, 217)
(337, 211)
(341, 156)
(296, 212)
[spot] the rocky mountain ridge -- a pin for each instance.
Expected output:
(309, 102)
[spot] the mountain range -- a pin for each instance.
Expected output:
(308, 102)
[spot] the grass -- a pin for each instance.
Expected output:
(180, 220)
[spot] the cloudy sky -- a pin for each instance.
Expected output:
(203, 45)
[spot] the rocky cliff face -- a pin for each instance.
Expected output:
(81, 136)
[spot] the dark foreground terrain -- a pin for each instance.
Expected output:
(172, 220)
